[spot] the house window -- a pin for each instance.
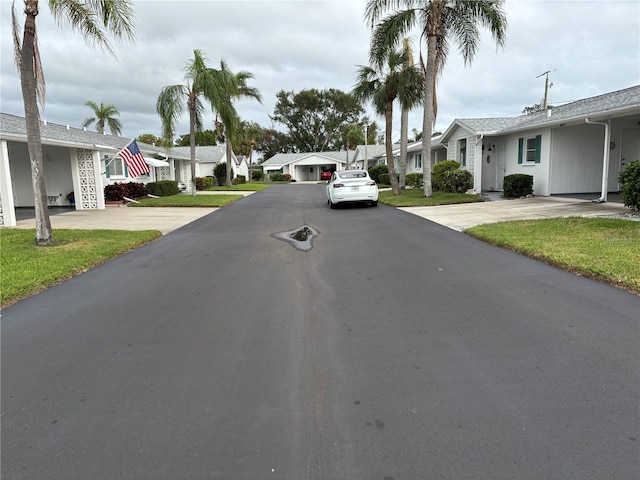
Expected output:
(417, 161)
(529, 149)
(115, 167)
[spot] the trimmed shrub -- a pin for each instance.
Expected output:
(384, 179)
(115, 192)
(518, 185)
(257, 175)
(414, 180)
(286, 177)
(439, 170)
(276, 177)
(220, 173)
(203, 183)
(457, 181)
(239, 180)
(163, 188)
(376, 171)
(629, 180)
(136, 190)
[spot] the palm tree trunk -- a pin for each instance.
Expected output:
(427, 120)
(192, 145)
(391, 167)
(44, 234)
(228, 147)
(404, 134)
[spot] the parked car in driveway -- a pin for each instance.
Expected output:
(325, 175)
(351, 186)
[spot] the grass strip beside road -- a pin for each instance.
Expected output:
(605, 249)
(187, 200)
(414, 197)
(242, 187)
(28, 269)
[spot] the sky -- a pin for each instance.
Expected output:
(588, 47)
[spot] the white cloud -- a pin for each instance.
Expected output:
(589, 47)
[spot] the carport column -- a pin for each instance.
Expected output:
(87, 181)
(7, 207)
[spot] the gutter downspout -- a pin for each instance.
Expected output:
(605, 159)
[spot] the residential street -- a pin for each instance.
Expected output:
(394, 349)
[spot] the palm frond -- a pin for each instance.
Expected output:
(170, 107)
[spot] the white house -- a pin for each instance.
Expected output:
(207, 157)
(579, 147)
(74, 160)
(306, 166)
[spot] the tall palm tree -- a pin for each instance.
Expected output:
(438, 21)
(95, 20)
(234, 87)
(104, 115)
(410, 97)
(381, 84)
(200, 82)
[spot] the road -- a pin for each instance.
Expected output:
(395, 348)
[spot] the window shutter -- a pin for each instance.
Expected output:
(107, 170)
(538, 147)
(126, 170)
(520, 149)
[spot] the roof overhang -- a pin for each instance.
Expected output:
(154, 162)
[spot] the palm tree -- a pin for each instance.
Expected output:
(95, 20)
(200, 81)
(104, 115)
(234, 87)
(409, 97)
(382, 84)
(438, 20)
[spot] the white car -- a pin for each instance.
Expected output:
(347, 186)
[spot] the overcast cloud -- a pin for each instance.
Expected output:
(589, 47)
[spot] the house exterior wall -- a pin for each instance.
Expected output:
(87, 181)
(539, 171)
(7, 208)
(577, 155)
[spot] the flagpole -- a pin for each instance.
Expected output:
(119, 152)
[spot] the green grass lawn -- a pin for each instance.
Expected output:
(187, 200)
(602, 248)
(27, 269)
(244, 187)
(415, 198)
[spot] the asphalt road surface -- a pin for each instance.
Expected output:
(393, 349)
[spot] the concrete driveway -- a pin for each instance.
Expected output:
(457, 217)
(467, 215)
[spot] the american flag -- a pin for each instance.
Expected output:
(134, 160)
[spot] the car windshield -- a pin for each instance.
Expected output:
(353, 175)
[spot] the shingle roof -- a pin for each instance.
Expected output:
(205, 154)
(287, 158)
(14, 127)
(598, 107)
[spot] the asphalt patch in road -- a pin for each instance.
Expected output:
(300, 238)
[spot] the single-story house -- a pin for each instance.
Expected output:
(74, 160)
(579, 147)
(207, 157)
(307, 166)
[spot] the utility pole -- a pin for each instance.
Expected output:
(546, 89)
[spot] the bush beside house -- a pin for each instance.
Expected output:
(629, 180)
(518, 185)
(117, 191)
(163, 188)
